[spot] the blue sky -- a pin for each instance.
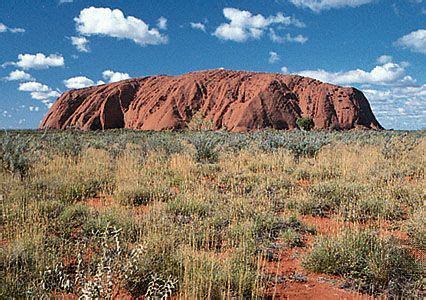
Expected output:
(49, 46)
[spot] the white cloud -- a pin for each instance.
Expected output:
(4, 28)
(244, 25)
(78, 82)
(80, 42)
(400, 107)
(296, 39)
(37, 61)
(415, 41)
(18, 75)
(384, 59)
(33, 108)
(388, 73)
(112, 76)
(162, 23)
(198, 26)
(273, 57)
(45, 96)
(39, 91)
(33, 86)
(17, 30)
(284, 69)
(287, 38)
(113, 23)
(318, 5)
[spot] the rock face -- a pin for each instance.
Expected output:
(230, 100)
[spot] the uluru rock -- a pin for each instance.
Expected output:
(230, 100)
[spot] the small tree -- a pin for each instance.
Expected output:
(305, 123)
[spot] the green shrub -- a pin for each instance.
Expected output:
(301, 144)
(15, 155)
(69, 143)
(162, 143)
(205, 148)
(374, 264)
(395, 146)
(305, 123)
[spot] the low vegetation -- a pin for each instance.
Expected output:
(305, 123)
(374, 264)
(203, 214)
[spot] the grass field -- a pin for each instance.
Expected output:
(212, 215)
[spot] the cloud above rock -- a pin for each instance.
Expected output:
(80, 43)
(18, 75)
(39, 91)
(415, 41)
(112, 76)
(388, 73)
(100, 21)
(78, 82)
(38, 61)
(273, 57)
(243, 25)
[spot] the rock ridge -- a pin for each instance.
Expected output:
(236, 101)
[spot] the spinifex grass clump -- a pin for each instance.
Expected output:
(370, 208)
(353, 202)
(416, 228)
(326, 197)
(374, 264)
